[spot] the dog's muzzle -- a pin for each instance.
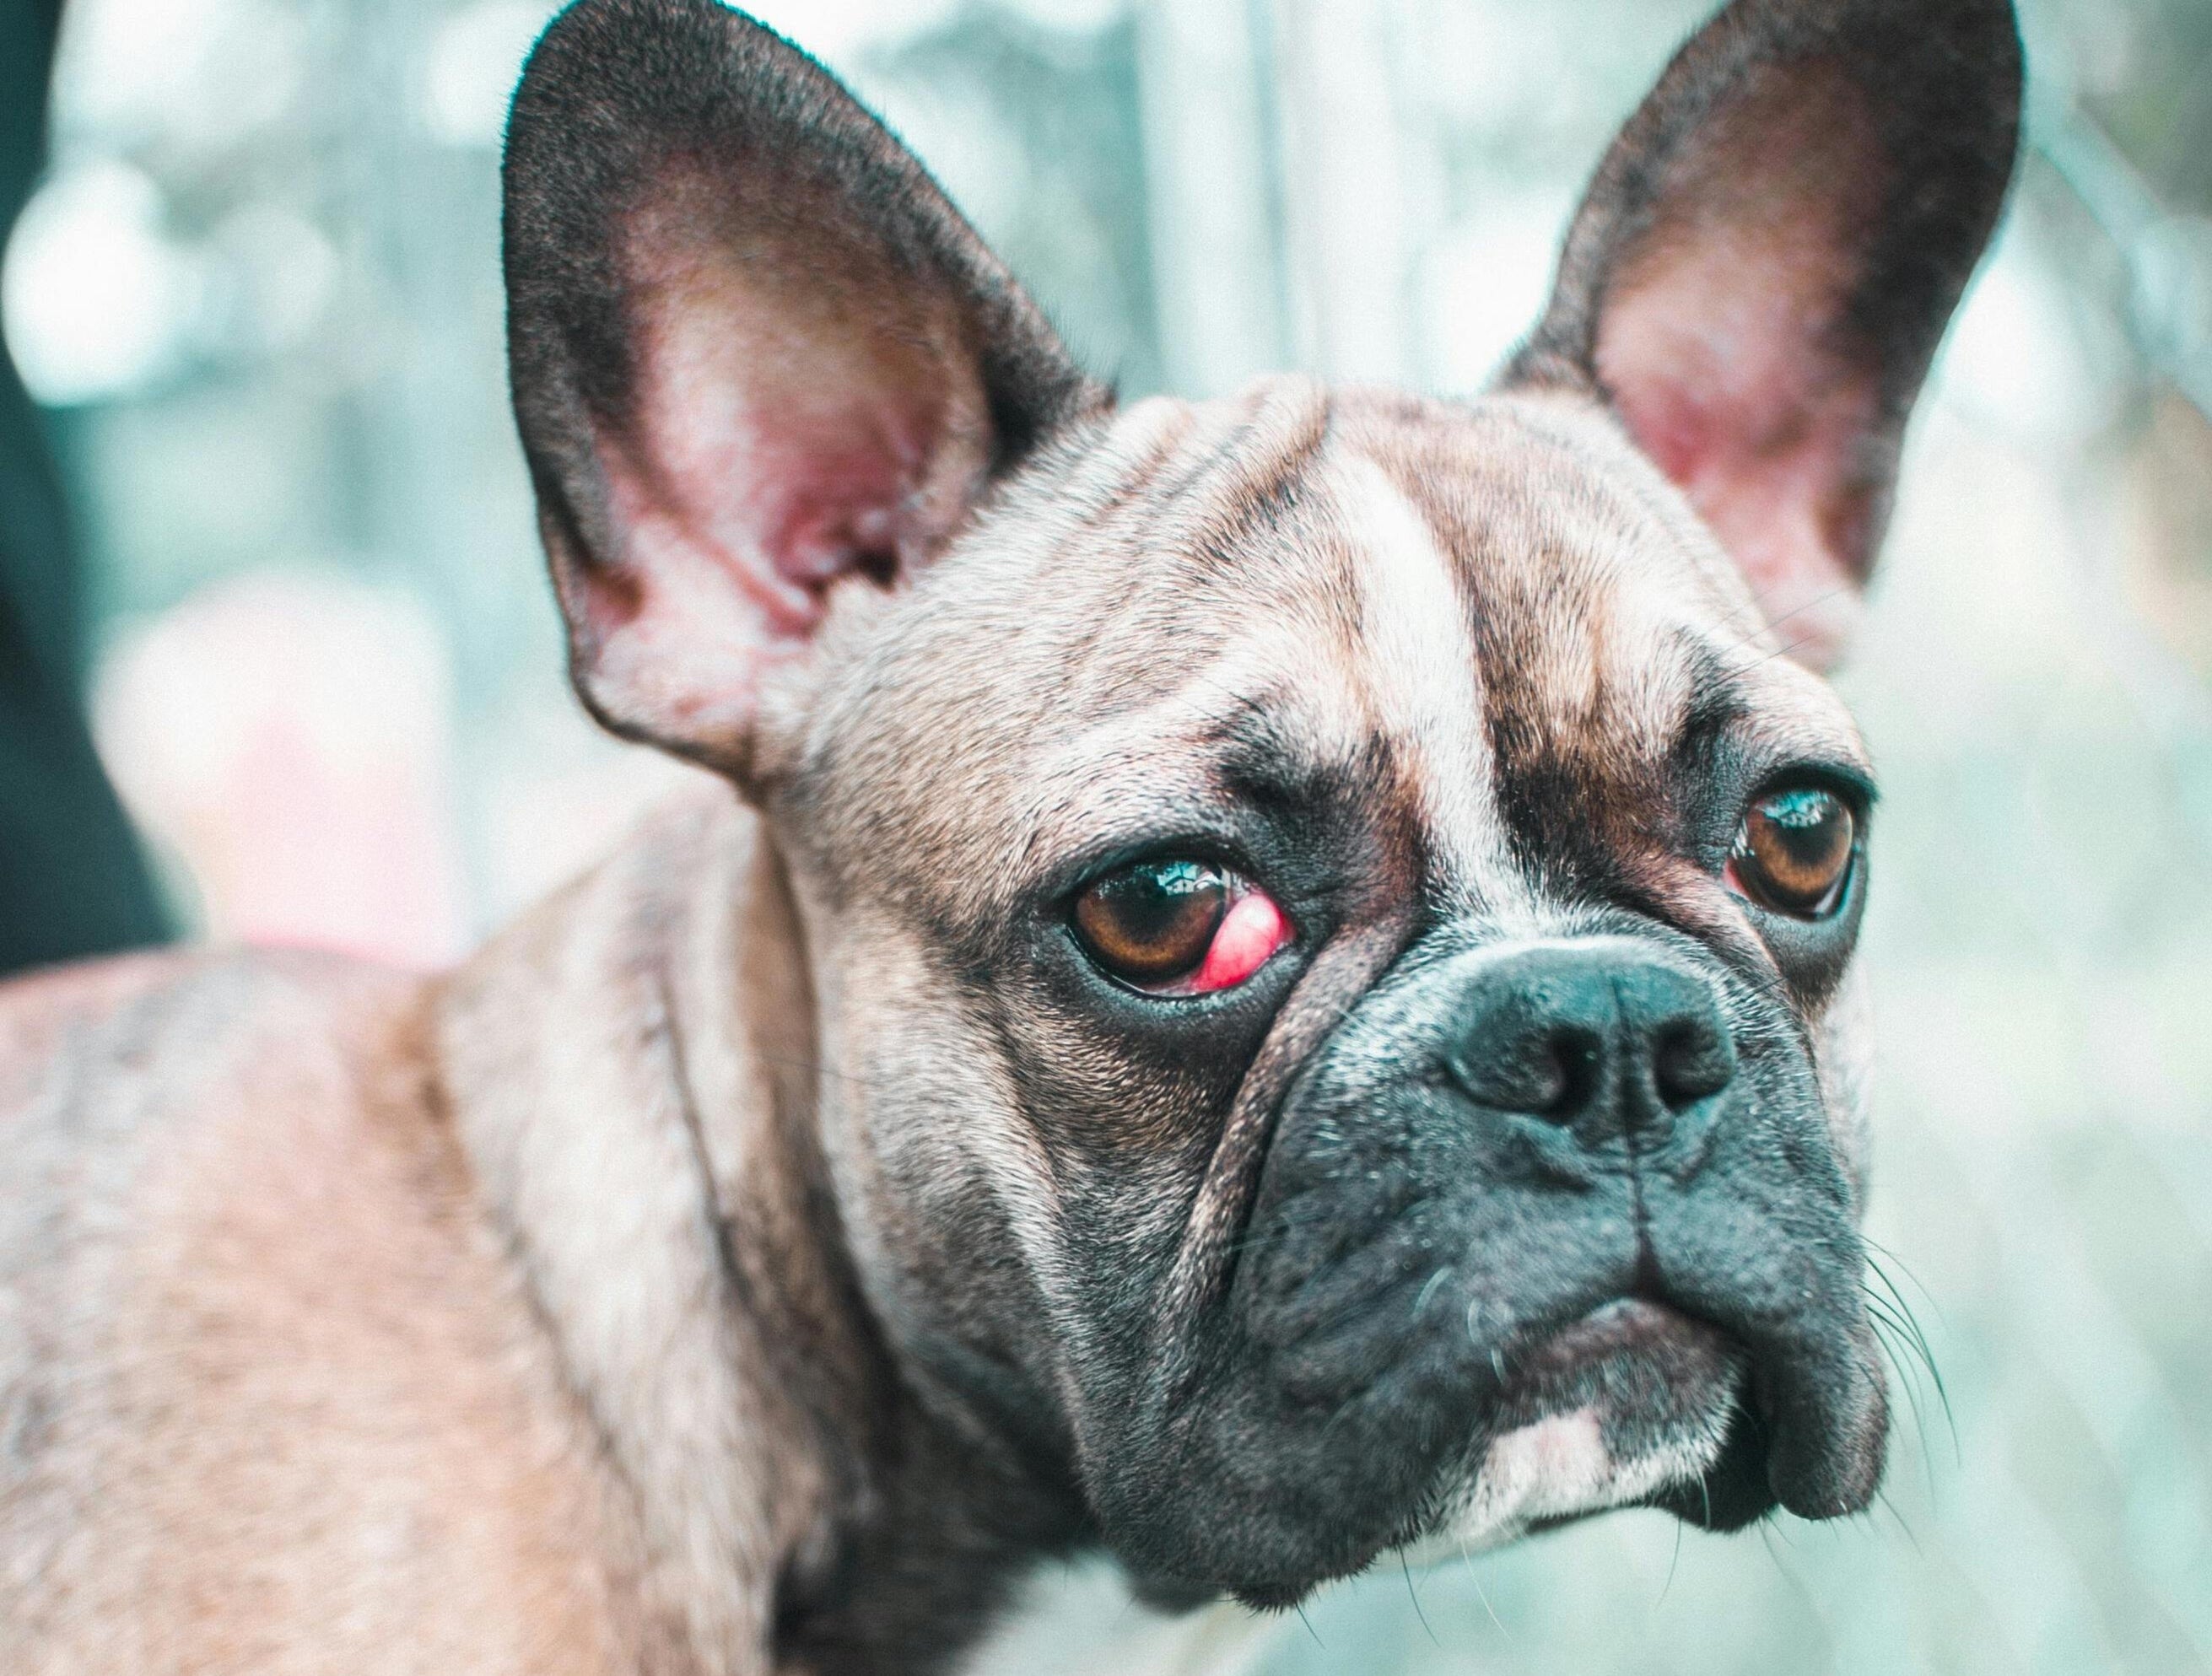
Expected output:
(1544, 1228)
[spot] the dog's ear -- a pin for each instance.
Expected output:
(1766, 259)
(757, 356)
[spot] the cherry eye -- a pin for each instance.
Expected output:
(1794, 852)
(1178, 926)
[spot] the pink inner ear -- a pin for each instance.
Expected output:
(827, 490)
(772, 449)
(786, 431)
(1721, 366)
(792, 451)
(795, 421)
(1722, 342)
(773, 514)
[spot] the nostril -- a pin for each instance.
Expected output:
(1553, 1073)
(1692, 1060)
(1595, 1040)
(1574, 1064)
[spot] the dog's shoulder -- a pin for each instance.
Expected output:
(115, 1074)
(263, 1376)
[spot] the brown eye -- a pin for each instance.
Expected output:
(1795, 852)
(1152, 922)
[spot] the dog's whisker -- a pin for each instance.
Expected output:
(1891, 1260)
(817, 1068)
(1413, 1594)
(1904, 1308)
(1890, 1508)
(1675, 1559)
(1772, 623)
(1926, 1353)
(1466, 1558)
(1897, 1338)
(1801, 641)
(1908, 1383)
(1429, 1289)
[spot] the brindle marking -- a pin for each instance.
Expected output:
(767, 1250)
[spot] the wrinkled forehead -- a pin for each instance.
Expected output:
(1473, 625)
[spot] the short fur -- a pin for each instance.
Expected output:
(762, 1253)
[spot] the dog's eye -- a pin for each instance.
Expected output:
(1794, 852)
(1177, 926)
(1152, 922)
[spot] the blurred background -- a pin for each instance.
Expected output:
(257, 296)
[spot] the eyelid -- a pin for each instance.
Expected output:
(1208, 848)
(1846, 781)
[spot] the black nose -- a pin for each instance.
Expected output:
(1602, 1039)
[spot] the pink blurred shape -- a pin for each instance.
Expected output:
(286, 737)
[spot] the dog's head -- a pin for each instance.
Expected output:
(1330, 910)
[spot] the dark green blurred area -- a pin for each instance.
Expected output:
(72, 879)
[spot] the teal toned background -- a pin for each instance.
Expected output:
(259, 295)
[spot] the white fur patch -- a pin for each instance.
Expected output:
(1423, 680)
(1559, 1467)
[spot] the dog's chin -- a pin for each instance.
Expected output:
(1634, 1403)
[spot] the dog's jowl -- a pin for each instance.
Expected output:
(1270, 984)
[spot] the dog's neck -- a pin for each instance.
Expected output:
(632, 1073)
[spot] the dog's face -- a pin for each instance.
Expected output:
(1331, 911)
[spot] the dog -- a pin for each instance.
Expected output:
(1266, 981)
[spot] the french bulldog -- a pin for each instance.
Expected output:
(1266, 981)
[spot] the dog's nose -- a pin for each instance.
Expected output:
(1603, 1040)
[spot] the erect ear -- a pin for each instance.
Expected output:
(1761, 269)
(756, 356)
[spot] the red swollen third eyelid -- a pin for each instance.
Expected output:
(1250, 933)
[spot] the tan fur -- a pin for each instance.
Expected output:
(759, 1256)
(272, 1398)
(357, 1322)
